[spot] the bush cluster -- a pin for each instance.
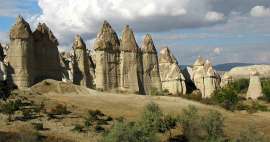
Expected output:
(266, 89)
(196, 127)
(95, 120)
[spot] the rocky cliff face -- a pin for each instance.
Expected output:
(107, 58)
(130, 79)
(205, 78)
(170, 73)
(20, 54)
(151, 76)
(46, 55)
(81, 67)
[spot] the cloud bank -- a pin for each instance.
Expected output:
(68, 17)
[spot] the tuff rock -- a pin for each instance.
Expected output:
(205, 78)
(20, 54)
(170, 73)
(255, 86)
(46, 55)
(107, 58)
(130, 64)
(81, 67)
(151, 76)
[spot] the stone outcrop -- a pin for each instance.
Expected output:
(66, 61)
(170, 73)
(46, 55)
(20, 54)
(107, 58)
(205, 78)
(81, 67)
(151, 76)
(130, 66)
(255, 86)
(3, 69)
(226, 79)
(244, 72)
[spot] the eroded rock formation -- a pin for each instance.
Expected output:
(46, 55)
(81, 67)
(205, 78)
(151, 76)
(244, 72)
(20, 54)
(130, 77)
(255, 86)
(3, 69)
(107, 58)
(170, 73)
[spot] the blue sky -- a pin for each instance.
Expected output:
(222, 31)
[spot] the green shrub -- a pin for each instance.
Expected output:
(129, 132)
(189, 120)
(152, 117)
(213, 123)
(226, 97)
(266, 89)
(239, 86)
(10, 107)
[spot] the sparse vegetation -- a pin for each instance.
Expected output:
(10, 107)
(266, 89)
(156, 92)
(251, 134)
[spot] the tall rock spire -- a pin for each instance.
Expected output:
(166, 56)
(20, 54)
(128, 41)
(81, 72)
(47, 58)
(107, 58)
(130, 65)
(151, 76)
(170, 73)
(21, 29)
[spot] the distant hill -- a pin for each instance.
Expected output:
(229, 66)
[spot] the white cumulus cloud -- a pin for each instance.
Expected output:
(260, 11)
(68, 17)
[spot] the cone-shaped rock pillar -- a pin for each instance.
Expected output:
(170, 73)
(20, 54)
(107, 58)
(47, 58)
(151, 76)
(81, 73)
(130, 77)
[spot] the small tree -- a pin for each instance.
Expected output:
(189, 121)
(10, 107)
(152, 117)
(213, 123)
(129, 132)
